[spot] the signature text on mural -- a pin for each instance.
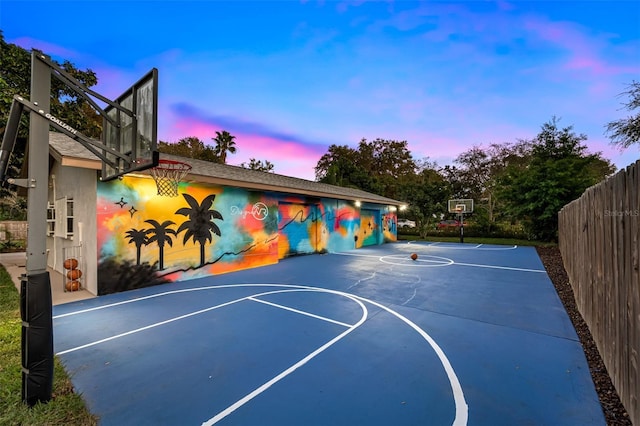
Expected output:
(259, 211)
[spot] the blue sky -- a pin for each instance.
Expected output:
(290, 78)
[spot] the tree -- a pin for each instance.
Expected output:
(200, 225)
(66, 104)
(254, 164)
(626, 131)
(338, 167)
(426, 192)
(478, 175)
(378, 166)
(556, 171)
(189, 147)
(225, 142)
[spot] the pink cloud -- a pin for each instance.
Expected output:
(585, 52)
(290, 158)
(50, 49)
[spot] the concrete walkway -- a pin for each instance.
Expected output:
(15, 264)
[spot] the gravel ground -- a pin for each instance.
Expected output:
(613, 410)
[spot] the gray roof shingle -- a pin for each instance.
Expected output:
(65, 147)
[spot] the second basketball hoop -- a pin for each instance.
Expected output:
(168, 174)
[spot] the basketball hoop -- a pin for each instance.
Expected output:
(168, 174)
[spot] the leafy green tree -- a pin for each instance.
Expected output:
(266, 166)
(339, 167)
(225, 143)
(387, 163)
(378, 166)
(557, 171)
(189, 147)
(626, 131)
(200, 225)
(66, 104)
(427, 193)
(478, 176)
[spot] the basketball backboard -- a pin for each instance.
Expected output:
(132, 130)
(461, 206)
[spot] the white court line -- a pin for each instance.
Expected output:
(475, 247)
(375, 256)
(309, 314)
(438, 263)
(462, 410)
(500, 267)
(429, 261)
(170, 320)
(233, 407)
(157, 324)
(153, 296)
(124, 302)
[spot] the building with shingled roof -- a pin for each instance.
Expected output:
(222, 218)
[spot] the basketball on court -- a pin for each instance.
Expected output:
(414, 256)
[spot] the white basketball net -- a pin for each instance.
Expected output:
(168, 175)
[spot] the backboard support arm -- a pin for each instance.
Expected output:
(9, 138)
(79, 88)
(71, 132)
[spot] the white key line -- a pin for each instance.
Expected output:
(300, 312)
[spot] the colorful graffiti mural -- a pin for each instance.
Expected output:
(210, 229)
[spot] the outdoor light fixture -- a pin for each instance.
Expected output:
(358, 203)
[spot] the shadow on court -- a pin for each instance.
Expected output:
(464, 334)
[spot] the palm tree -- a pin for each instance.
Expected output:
(200, 225)
(224, 142)
(139, 238)
(161, 234)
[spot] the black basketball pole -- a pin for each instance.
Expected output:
(35, 295)
(461, 227)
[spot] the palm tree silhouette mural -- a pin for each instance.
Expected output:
(139, 238)
(200, 225)
(161, 234)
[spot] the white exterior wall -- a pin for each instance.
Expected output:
(79, 184)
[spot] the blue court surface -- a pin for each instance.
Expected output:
(466, 334)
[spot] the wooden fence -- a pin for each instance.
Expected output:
(600, 245)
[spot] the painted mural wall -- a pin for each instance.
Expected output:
(144, 239)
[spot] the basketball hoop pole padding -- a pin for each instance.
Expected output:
(168, 174)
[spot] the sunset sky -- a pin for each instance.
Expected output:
(290, 78)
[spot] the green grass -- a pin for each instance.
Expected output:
(65, 407)
(477, 240)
